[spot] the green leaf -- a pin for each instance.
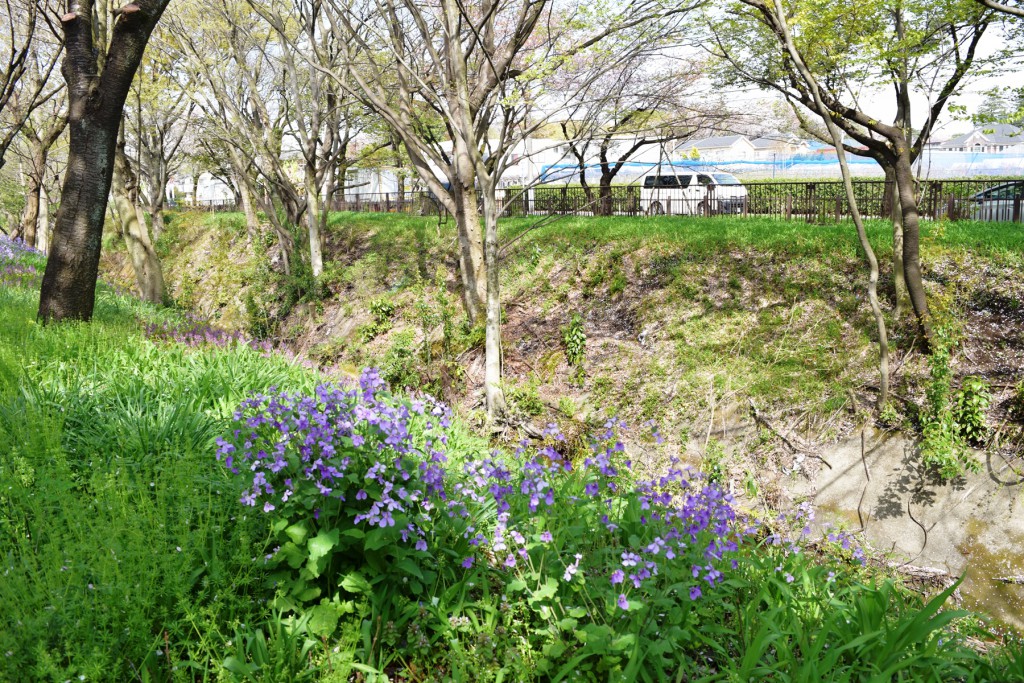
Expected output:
(238, 667)
(377, 539)
(355, 583)
(324, 618)
(321, 544)
(293, 554)
(546, 591)
(410, 567)
(297, 533)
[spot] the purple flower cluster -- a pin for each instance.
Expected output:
(679, 516)
(345, 444)
(793, 532)
(195, 333)
(357, 456)
(15, 271)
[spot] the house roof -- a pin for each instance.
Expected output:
(993, 134)
(775, 137)
(719, 142)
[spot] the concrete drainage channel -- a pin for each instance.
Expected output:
(875, 481)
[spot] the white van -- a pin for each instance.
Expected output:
(689, 193)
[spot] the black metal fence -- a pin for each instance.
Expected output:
(814, 202)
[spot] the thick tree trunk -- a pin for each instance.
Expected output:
(471, 252)
(156, 219)
(495, 396)
(148, 274)
(911, 243)
(96, 102)
(69, 282)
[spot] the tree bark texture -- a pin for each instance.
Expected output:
(471, 252)
(912, 244)
(148, 273)
(495, 395)
(43, 224)
(96, 103)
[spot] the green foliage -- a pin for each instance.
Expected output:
(524, 398)
(943, 436)
(712, 465)
(575, 341)
(400, 365)
(381, 310)
(971, 404)
(1017, 401)
(125, 553)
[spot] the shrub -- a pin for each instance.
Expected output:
(971, 404)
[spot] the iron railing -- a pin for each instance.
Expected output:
(814, 202)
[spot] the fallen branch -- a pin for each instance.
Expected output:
(764, 422)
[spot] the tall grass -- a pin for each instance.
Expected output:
(124, 553)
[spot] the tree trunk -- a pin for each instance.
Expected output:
(30, 217)
(316, 257)
(495, 396)
(43, 224)
(911, 243)
(69, 282)
(96, 103)
(891, 207)
(252, 221)
(471, 252)
(826, 117)
(605, 208)
(148, 274)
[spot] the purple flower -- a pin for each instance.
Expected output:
(617, 577)
(695, 592)
(510, 561)
(545, 536)
(468, 562)
(623, 602)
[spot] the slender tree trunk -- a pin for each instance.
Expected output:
(316, 257)
(43, 224)
(606, 195)
(826, 116)
(156, 219)
(148, 274)
(252, 222)
(30, 217)
(471, 252)
(911, 244)
(892, 209)
(495, 396)
(899, 278)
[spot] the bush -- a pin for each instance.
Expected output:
(530, 568)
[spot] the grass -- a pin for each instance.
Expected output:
(119, 534)
(776, 308)
(127, 554)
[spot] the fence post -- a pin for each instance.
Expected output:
(951, 208)
(812, 203)
(745, 207)
(1016, 209)
(839, 208)
(787, 211)
(387, 202)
